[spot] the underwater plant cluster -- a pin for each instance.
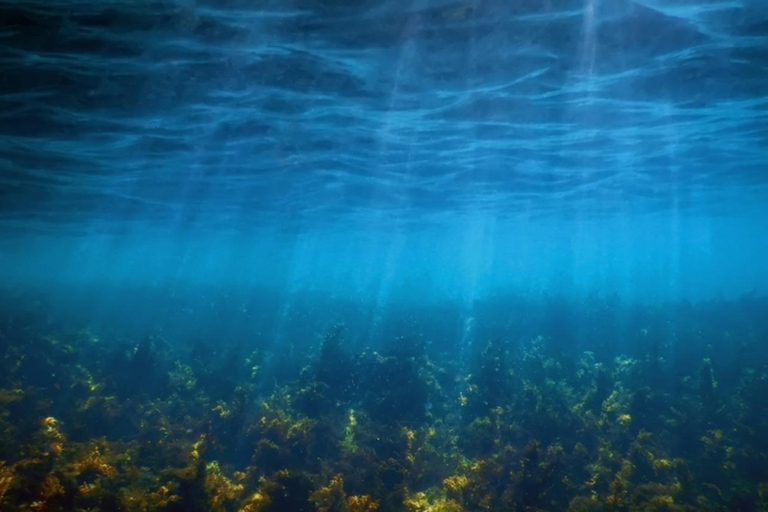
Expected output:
(673, 419)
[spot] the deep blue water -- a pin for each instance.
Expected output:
(586, 146)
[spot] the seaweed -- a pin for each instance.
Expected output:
(535, 424)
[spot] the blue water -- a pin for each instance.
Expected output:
(369, 148)
(426, 255)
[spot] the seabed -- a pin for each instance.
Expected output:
(536, 423)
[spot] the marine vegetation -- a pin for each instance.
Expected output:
(532, 418)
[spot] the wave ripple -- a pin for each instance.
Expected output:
(238, 113)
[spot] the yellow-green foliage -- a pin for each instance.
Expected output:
(222, 491)
(332, 498)
(6, 480)
(420, 502)
(182, 377)
(456, 483)
(348, 443)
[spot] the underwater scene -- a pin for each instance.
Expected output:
(384, 255)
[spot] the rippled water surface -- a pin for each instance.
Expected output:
(256, 111)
